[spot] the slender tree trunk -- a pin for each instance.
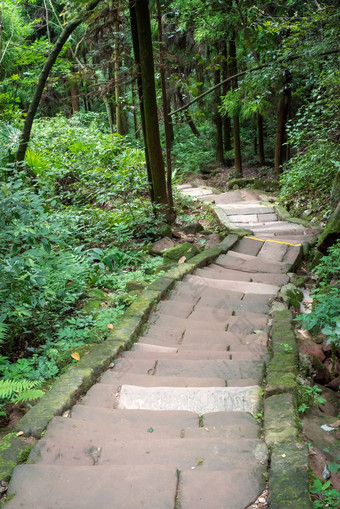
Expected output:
(236, 122)
(218, 121)
(68, 29)
(262, 159)
(150, 105)
(281, 126)
(109, 114)
(165, 111)
(188, 117)
(135, 44)
(121, 119)
(225, 89)
(135, 121)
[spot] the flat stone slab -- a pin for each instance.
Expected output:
(232, 261)
(216, 490)
(250, 218)
(143, 347)
(193, 399)
(273, 251)
(248, 246)
(110, 379)
(239, 286)
(216, 271)
(85, 487)
(246, 209)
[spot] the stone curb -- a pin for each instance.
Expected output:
(81, 376)
(288, 473)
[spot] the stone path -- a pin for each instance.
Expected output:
(172, 424)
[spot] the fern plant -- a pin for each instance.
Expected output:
(18, 391)
(3, 331)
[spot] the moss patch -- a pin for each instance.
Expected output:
(13, 450)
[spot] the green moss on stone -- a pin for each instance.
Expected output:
(177, 273)
(280, 419)
(175, 253)
(12, 451)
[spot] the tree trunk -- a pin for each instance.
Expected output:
(135, 44)
(236, 122)
(188, 117)
(135, 122)
(121, 119)
(218, 121)
(68, 29)
(261, 139)
(165, 111)
(281, 126)
(150, 105)
(225, 89)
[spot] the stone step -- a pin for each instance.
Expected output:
(247, 263)
(228, 425)
(85, 487)
(225, 284)
(216, 320)
(232, 372)
(117, 424)
(215, 271)
(247, 246)
(188, 294)
(292, 254)
(111, 379)
(235, 355)
(143, 347)
(216, 490)
(273, 251)
(252, 218)
(246, 209)
(181, 453)
(194, 399)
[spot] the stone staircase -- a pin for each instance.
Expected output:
(173, 423)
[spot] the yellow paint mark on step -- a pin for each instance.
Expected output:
(270, 240)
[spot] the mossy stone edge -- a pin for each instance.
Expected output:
(288, 473)
(81, 376)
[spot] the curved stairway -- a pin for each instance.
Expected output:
(172, 425)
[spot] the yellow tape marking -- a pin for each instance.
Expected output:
(270, 240)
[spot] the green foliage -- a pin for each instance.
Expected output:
(308, 396)
(327, 497)
(17, 391)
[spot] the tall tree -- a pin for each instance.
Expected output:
(150, 106)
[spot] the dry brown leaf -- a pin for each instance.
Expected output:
(189, 250)
(182, 259)
(69, 282)
(20, 433)
(109, 326)
(75, 356)
(336, 424)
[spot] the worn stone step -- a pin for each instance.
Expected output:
(246, 209)
(235, 355)
(85, 487)
(216, 320)
(111, 379)
(292, 254)
(181, 310)
(216, 271)
(215, 490)
(273, 251)
(225, 284)
(226, 424)
(181, 453)
(116, 424)
(143, 347)
(189, 294)
(226, 369)
(243, 219)
(247, 246)
(247, 263)
(194, 399)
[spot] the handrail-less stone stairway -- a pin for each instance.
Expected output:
(172, 424)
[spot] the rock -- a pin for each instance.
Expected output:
(212, 240)
(291, 295)
(175, 253)
(193, 228)
(135, 285)
(161, 245)
(308, 347)
(165, 230)
(176, 234)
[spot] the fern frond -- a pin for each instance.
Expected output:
(29, 395)
(12, 389)
(4, 328)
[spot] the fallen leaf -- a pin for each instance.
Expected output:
(189, 250)
(20, 433)
(75, 356)
(68, 283)
(109, 326)
(258, 331)
(182, 260)
(336, 424)
(200, 461)
(150, 430)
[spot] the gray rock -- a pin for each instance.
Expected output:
(193, 228)
(161, 245)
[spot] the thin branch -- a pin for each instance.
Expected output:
(257, 68)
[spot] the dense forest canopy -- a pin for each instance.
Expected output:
(103, 105)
